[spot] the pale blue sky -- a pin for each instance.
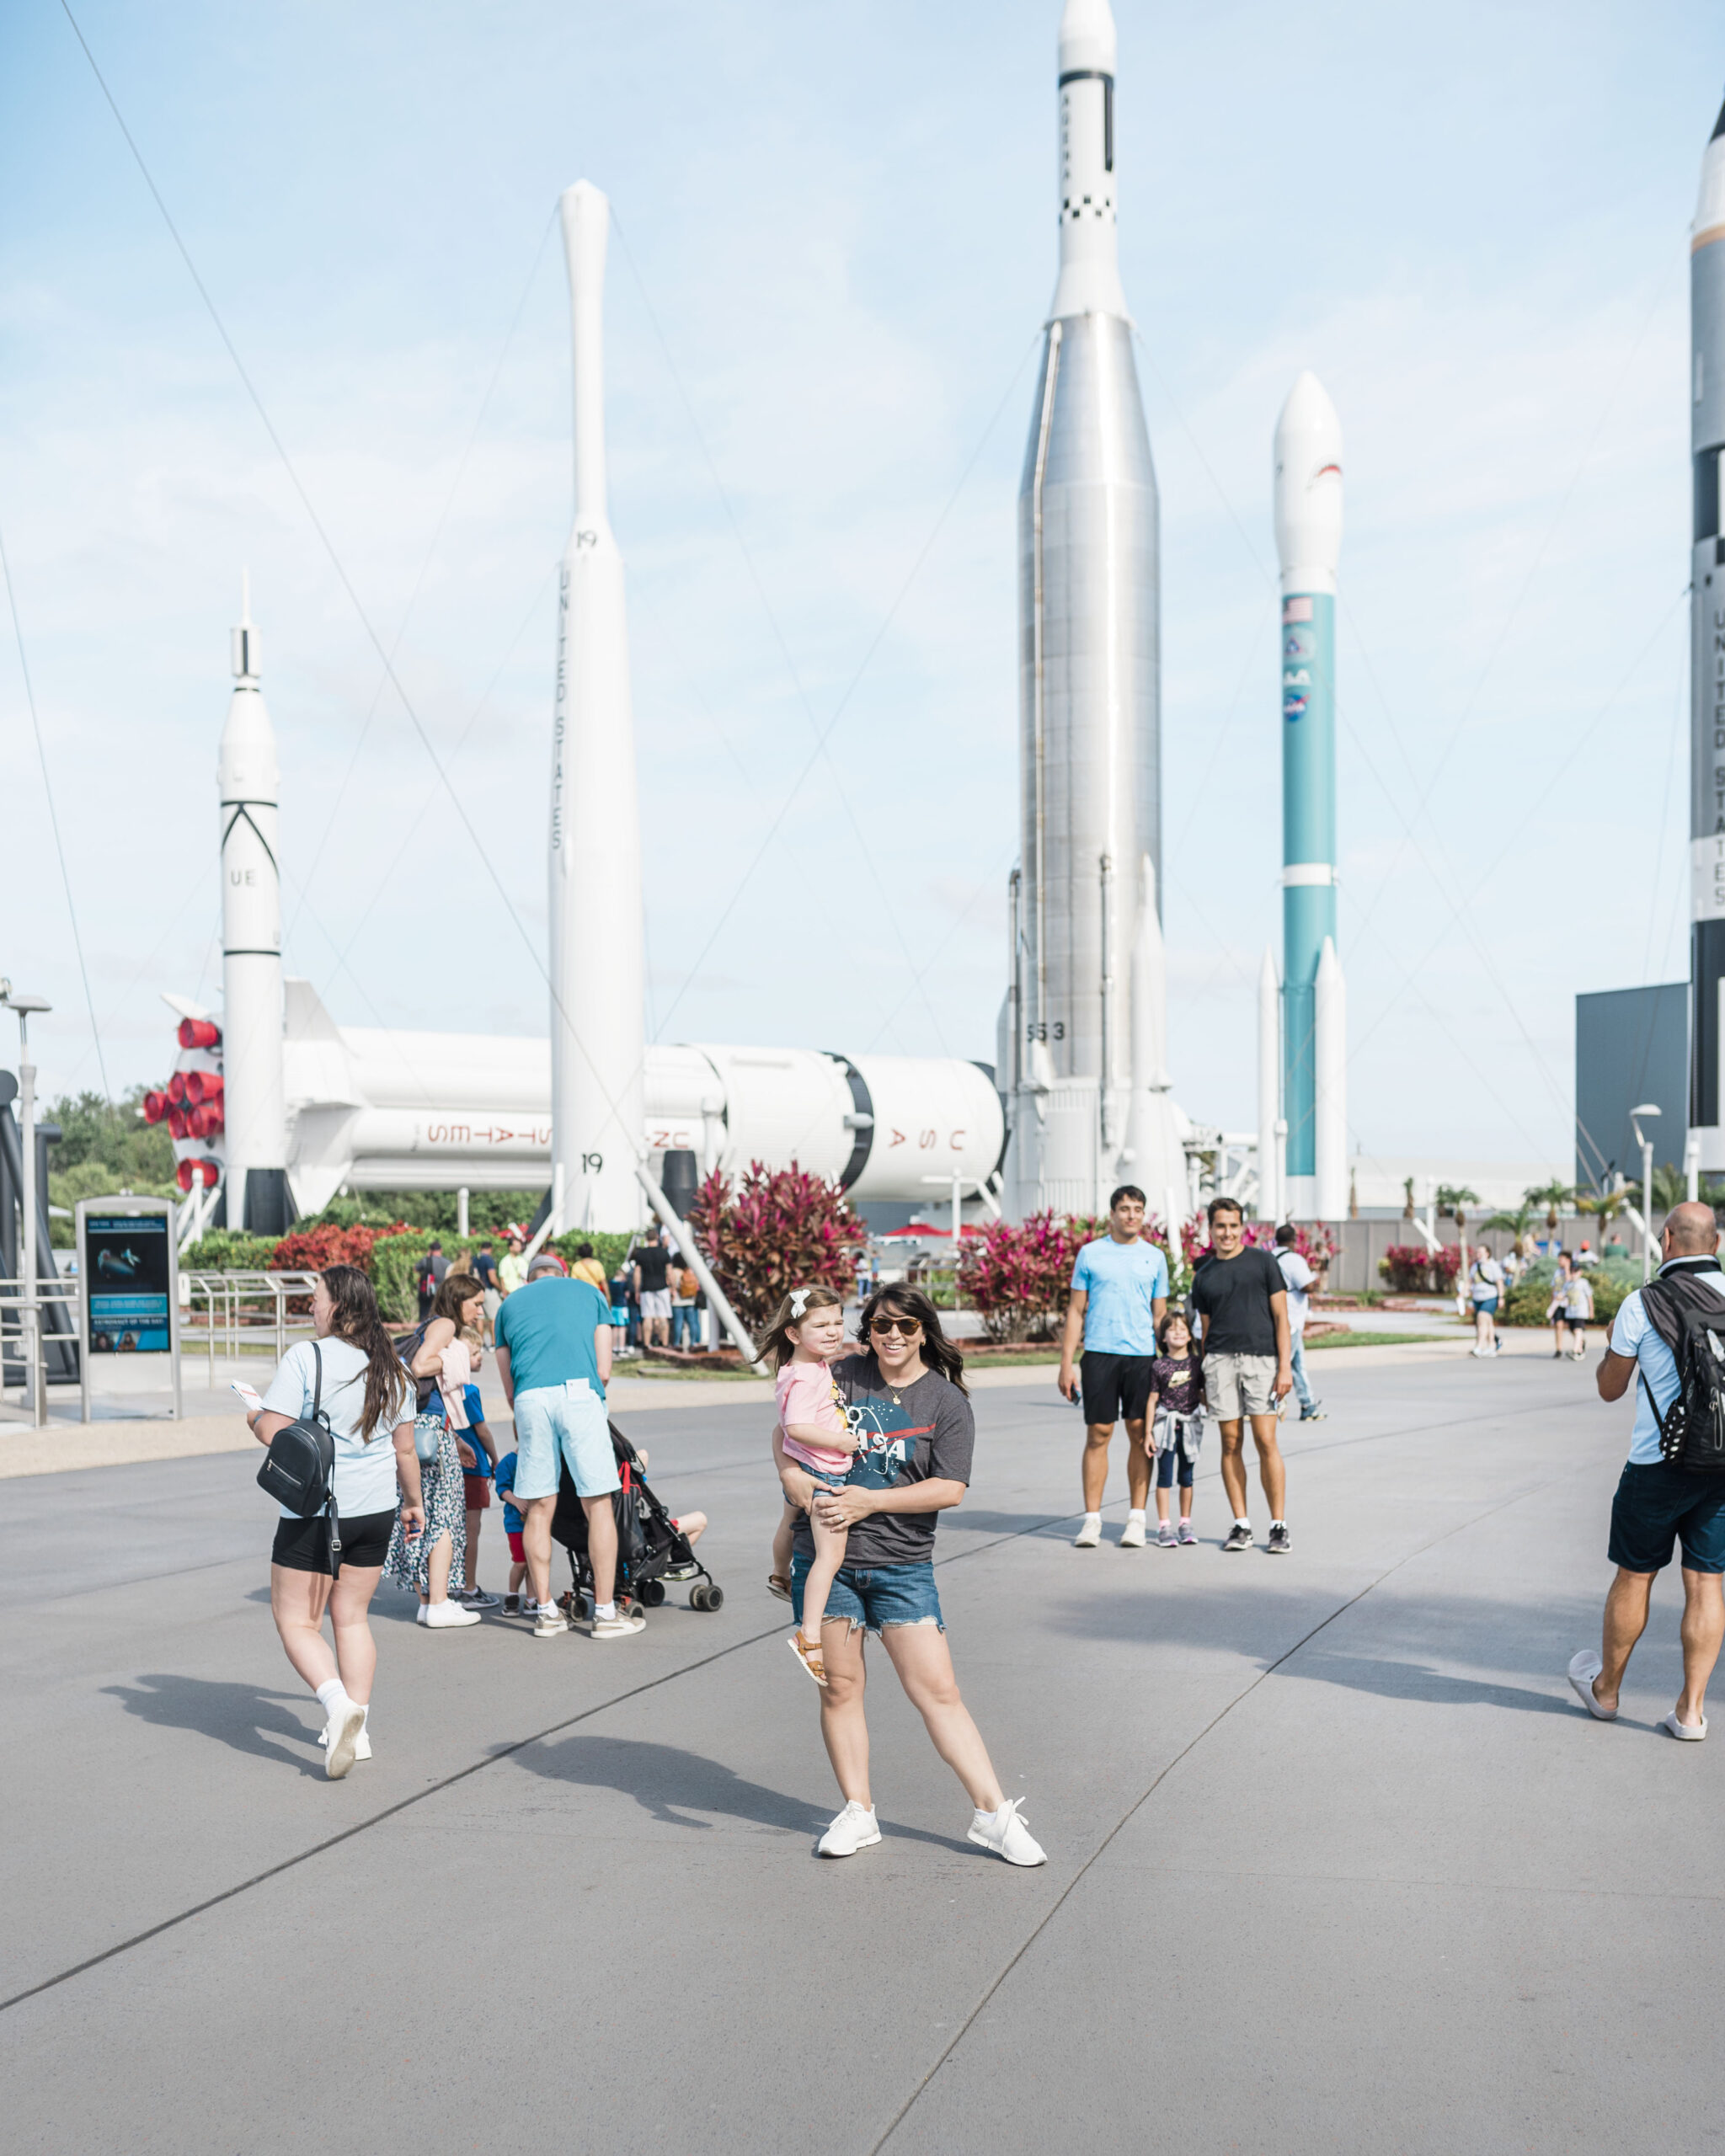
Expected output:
(1471, 224)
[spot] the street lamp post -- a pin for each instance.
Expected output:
(1647, 1108)
(29, 1324)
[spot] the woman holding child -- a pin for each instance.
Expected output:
(909, 1435)
(425, 1554)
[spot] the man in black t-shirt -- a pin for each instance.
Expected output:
(1241, 1302)
(653, 1286)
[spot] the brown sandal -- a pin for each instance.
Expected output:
(811, 1658)
(777, 1584)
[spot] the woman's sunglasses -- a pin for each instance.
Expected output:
(909, 1326)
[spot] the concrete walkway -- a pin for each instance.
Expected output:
(1336, 1863)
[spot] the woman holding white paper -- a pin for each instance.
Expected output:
(352, 1377)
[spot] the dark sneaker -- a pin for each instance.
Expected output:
(1239, 1536)
(1280, 1542)
(1315, 1413)
(476, 1597)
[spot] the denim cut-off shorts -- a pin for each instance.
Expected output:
(567, 1419)
(874, 1596)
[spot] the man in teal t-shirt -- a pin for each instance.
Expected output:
(553, 1356)
(1119, 1291)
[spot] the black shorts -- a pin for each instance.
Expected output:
(302, 1545)
(1116, 1388)
(1658, 1504)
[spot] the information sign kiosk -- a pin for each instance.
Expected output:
(128, 1283)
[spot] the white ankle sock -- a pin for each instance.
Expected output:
(1241, 1520)
(330, 1695)
(1137, 1513)
(604, 1609)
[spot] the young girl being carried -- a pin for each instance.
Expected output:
(807, 1336)
(1176, 1400)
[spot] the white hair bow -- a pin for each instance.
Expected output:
(799, 1301)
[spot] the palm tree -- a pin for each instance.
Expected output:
(1605, 1205)
(1515, 1224)
(1670, 1187)
(1550, 1195)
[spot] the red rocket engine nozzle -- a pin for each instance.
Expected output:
(155, 1107)
(203, 1086)
(176, 1123)
(204, 1122)
(183, 1175)
(176, 1090)
(211, 1173)
(198, 1033)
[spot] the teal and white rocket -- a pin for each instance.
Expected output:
(1314, 1059)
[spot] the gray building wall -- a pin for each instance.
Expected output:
(1631, 1045)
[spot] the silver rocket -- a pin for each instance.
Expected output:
(254, 1106)
(598, 1035)
(1707, 603)
(1090, 758)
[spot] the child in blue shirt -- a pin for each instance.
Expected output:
(505, 1479)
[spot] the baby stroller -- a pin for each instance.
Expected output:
(651, 1552)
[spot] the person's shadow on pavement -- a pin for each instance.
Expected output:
(674, 1785)
(242, 1715)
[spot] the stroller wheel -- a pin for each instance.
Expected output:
(650, 1593)
(706, 1598)
(697, 1598)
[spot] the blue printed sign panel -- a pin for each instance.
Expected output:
(128, 1260)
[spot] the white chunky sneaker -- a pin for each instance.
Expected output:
(619, 1627)
(1005, 1834)
(548, 1621)
(1090, 1534)
(855, 1829)
(1132, 1534)
(447, 1616)
(362, 1743)
(341, 1733)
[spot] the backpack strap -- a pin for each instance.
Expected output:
(318, 1416)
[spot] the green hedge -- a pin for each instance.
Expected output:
(223, 1250)
(608, 1249)
(1529, 1300)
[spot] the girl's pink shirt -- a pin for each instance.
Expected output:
(805, 1393)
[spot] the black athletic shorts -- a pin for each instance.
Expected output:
(302, 1545)
(1116, 1388)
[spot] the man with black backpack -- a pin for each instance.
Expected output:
(1668, 1341)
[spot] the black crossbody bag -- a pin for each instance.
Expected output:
(299, 1468)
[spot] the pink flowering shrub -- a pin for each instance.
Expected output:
(1016, 1276)
(777, 1231)
(1412, 1269)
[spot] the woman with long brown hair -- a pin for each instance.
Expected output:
(353, 1376)
(907, 1405)
(425, 1554)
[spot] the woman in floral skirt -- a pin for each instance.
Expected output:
(427, 1559)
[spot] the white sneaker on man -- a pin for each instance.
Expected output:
(618, 1626)
(362, 1743)
(447, 1616)
(1005, 1834)
(1132, 1534)
(855, 1829)
(548, 1621)
(1090, 1534)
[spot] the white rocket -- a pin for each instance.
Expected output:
(1153, 1156)
(1090, 765)
(249, 782)
(598, 1036)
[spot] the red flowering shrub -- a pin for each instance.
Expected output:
(1313, 1244)
(310, 1250)
(1016, 1276)
(1412, 1269)
(779, 1229)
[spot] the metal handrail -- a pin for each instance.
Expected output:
(239, 1308)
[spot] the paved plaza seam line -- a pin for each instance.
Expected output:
(449, 1781)
(1138, 1803)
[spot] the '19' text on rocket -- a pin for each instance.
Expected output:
(597, 1033)
(1308, 510)
(1090, 760)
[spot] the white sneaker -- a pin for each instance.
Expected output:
(548, 1621)
(855, 1829)
(419, 1614)
(1090, 1534)
(1005, 1834)
(362, 1743)
(618, 1627)
(1691, 1733)
(1132, 1534)
(446, 1616)
(341, 1734)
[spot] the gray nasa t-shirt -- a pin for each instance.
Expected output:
(914, 1432)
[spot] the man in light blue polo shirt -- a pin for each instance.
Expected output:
(1658, 1502)
(1119, 1292)
(553, 1356)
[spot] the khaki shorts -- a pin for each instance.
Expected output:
(1239, 1385)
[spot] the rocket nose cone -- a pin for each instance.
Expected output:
(1309, 416)
(1718, 125)
(1086, 36)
